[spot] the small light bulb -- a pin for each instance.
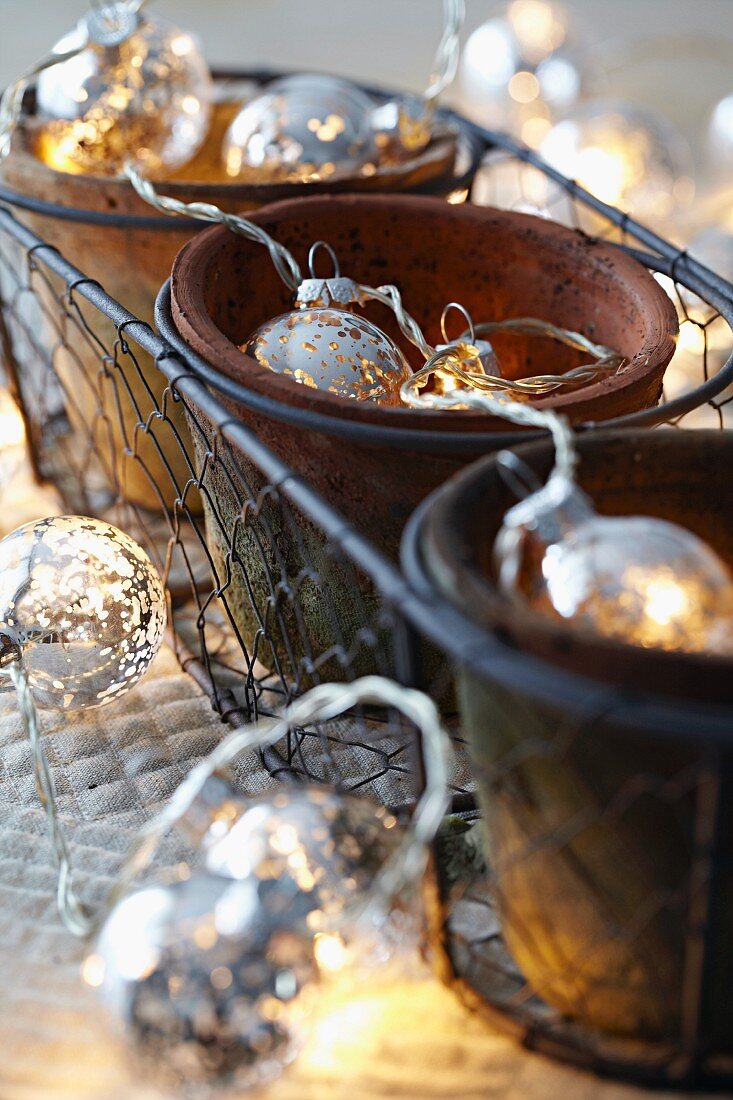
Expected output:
(146, 100)
(637, 579)
(86, 605)
(625, 156)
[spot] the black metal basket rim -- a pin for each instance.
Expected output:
(481, 653)
(475, 145)
(682, 265)
(415, 439)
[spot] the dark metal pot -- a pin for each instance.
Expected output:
(604, 772)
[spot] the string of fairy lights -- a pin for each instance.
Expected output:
(215, 970)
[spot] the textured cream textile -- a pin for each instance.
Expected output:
(412, 1042)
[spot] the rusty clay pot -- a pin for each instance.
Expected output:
(375, 463)
(104, 228)
(604, 771)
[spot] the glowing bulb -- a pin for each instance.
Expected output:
(146, 100)
(637, 579)
(625, 156)
(520, 66)
(303, 128)
(86, 607)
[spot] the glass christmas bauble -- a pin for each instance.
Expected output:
(86, 608)
(331, 349)
(211, 979)
(521, 69)
(625, 156)
(637, 579)
(303, 128)
(330, 846)
(146, 100)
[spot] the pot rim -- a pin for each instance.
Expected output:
(199, 332)
(563, 653)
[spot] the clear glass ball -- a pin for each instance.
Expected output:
(625, 156)
(331, 349)
(302, 128)
(205, 986)
(637, 579)
(86, 607)
(146, 101)
(330, 846)
(521, 69)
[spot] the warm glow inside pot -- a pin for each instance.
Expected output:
(603, 770)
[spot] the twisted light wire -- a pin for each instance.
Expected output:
(321, 704)
(517, 412)
(72, 912)
(447, 55)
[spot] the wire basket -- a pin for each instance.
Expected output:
(243, 619)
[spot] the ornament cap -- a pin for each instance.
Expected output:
(111, 25)
(326, 292)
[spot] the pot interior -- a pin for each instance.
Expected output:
(498, 265)
(672, 475)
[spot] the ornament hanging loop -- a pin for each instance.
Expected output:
(326, 290)
(470, 331)
(336, 273)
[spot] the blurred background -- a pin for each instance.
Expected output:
(670, 57)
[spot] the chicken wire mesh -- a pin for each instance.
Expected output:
(271, 592)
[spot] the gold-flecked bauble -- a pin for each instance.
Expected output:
(210, 980)
(85, 606)
(145, 101)
(637, 579)
(303, 128)
(331, 349)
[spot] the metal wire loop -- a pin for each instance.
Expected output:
(312, 258)
(471, 332)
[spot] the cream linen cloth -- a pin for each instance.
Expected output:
(409, 1041)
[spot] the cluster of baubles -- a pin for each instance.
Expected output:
(635, 579)
(522, 69)
(146, 98)
(213, 976)
(83, 608)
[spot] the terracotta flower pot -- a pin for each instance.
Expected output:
(106, 230)
(605, 772)
(497, 264)
(375, 464)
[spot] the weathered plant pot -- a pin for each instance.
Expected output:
(373, 463)
(109, 233)
(604, 771)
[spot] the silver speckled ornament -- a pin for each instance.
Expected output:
(209, 978)
(85, 606)
(304, 127)
(330, 846)
(146, 98)
(331, 349)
